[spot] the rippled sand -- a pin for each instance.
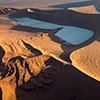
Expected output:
(34, 63)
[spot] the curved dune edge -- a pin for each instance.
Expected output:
(27, 61)
(87, 60)
(87, 9)
(16, 45)
(23, 56)
(20, 50)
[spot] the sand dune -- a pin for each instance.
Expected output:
(20, 58)
(87, 60)
(34, 63)
(87, 9)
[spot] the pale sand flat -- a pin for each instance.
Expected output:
(87, 59)
(86, 10)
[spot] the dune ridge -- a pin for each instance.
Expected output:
(30, 68)
(21, 62)
(87, 60)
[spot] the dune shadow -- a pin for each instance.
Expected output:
(2, 52)
(75, 4)
(60, 82)
(0, 94)
(33, 50)
(68, 83)
(28, 29)
(67, 18)
(86, 21)
(96, 4)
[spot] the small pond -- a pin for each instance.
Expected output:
(69, 34)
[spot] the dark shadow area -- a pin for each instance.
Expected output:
(97, 4)
(0, 94)
(2, 52)
(75, 4)
(64, 17)
(68, 18)
(33, 50)
(13, 60)
(28, 29)
(72, 18)
(2, 69)
(59, 82)
(17, 58)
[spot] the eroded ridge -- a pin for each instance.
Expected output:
(27, 61)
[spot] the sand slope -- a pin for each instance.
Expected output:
(15, 50)
(36, 64)
(87, 9)
(87, 60)
(24, 56)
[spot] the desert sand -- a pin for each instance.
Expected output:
(37, 65)
(43, 4)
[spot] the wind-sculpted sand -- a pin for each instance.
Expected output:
(87, 59)
(24, 56)
(86, 10)
(41, 41)
(35, 64)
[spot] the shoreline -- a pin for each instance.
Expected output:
(29, 58)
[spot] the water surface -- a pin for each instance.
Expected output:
(69, 34)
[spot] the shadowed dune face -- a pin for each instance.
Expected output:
(97, 5)
(0, 94)
(89, 21)
(50, 4)
(81, 6)
(74, 4)
(30, 68)
(21, 65)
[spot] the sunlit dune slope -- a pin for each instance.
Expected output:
(33, 58)
(86, 10)
(23, 56)
(12, 41)
(87, 59)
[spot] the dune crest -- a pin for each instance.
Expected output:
(87, 60)
(86, 10)
(23, 56)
